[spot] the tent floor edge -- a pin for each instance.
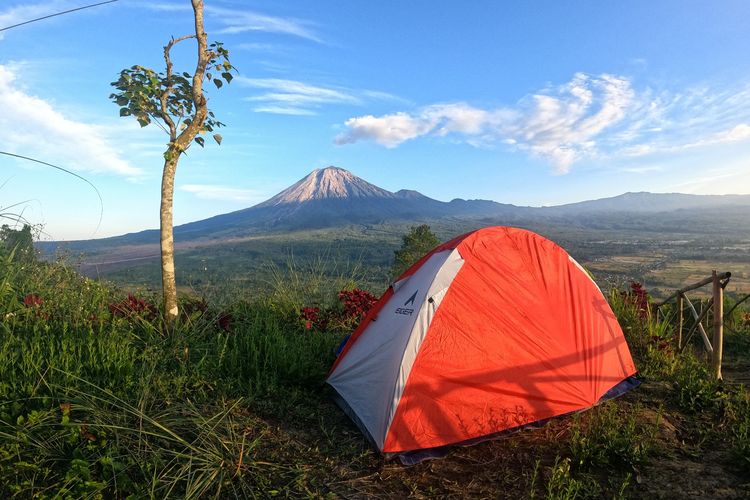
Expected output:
(621, 388)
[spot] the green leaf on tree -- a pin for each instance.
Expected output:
(200, 141)
(217, 138)
(218, 83)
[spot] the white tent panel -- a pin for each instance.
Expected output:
(372, 375)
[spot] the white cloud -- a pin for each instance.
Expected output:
(643, 169)
(224, 193)
(293, 97)
(166, 7)
(29, 123)
(590, 117)
(295, 92)
(560, 125)
(670, 122)
(242, 21)
(236, 21)
(259, 47)
(283, 110)
(388, 130)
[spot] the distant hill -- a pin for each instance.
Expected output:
(333, 197)
(652, 202)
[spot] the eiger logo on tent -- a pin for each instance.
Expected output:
(410, 301)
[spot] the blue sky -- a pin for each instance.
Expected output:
(531, 103)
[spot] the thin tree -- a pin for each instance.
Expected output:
(177, 104)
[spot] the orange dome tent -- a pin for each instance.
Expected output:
(492, 331)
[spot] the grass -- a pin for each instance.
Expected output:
(611, 435)
(100, 401)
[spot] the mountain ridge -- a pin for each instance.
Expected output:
(333, 196)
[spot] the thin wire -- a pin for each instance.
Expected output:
(101, 201)
(57, 14)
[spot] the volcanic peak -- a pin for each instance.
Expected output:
(327, 183)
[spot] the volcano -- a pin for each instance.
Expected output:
(333, 196)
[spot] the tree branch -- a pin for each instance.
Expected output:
(199, 100)
(168, 91)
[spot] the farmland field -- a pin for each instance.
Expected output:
(663, 255)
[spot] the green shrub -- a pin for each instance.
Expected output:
(650, 338)
(741, 443)
(696, 390)
(561, 484)
(610, 435)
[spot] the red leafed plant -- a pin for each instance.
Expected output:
(310, 317)
(638, 297)
(32, 300)
(133, 306)
(356, 303)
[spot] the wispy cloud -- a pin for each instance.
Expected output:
(235, 21)
(674, 121)
(224, 193)
(165, 6)
(271, 48)
(29, 123)
(292, 97)
(243, 21)
(283, 110)
(644, 169)
(601, 117)
(731, 179)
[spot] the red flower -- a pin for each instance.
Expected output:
(32, 300)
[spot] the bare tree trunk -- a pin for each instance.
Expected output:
(179, 143)
(168, 284)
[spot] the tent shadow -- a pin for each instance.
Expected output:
(432, 422)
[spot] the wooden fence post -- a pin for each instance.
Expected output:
(718, 341)
(680, 307)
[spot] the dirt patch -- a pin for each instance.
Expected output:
(704, 476)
